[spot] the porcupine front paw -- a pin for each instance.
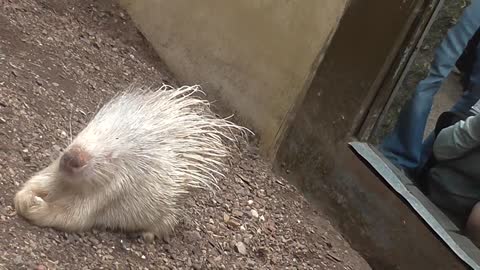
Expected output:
(161, 230)
(27, 203)
(149, 236)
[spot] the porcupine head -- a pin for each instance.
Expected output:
(130, 166)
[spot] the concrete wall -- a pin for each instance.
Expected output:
(257, 56)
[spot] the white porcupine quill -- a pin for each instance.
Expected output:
(177, 129)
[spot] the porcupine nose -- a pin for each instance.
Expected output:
(74, 159)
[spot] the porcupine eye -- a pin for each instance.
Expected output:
(74, 160)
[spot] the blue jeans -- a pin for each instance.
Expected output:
(404, 146)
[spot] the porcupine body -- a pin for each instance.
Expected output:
(130, 166)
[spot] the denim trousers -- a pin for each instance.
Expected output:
(405, 146)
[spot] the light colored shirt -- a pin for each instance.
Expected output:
(456, 140)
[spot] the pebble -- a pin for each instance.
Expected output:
(233, 223)
(237, 213)
(226, 217)
(18, 260)
(108, 258)
(241, 248)
(254, 213)
(40, 267)
(194, 236)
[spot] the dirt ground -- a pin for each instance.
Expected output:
(58, 63)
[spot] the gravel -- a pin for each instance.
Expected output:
(59, 61)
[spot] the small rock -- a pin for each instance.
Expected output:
(108, 258)
(262, 252)
(226, 217)
(57, 148)
(40, 267)
(18, 260)
(233, 223)
(241, 248)
(237, 213)
(254, 213)
(211, 227)
(94, 241)
(55, 84)
(193, 236)
(250, 202)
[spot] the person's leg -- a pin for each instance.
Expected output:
(403, 146)
(467, 59)
(466, 62)
(474, 78)
(469, 97)
(472, 227)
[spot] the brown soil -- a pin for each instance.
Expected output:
(59, 61)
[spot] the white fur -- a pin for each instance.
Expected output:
(147, 149)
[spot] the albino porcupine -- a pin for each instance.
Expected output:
(129, 167)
